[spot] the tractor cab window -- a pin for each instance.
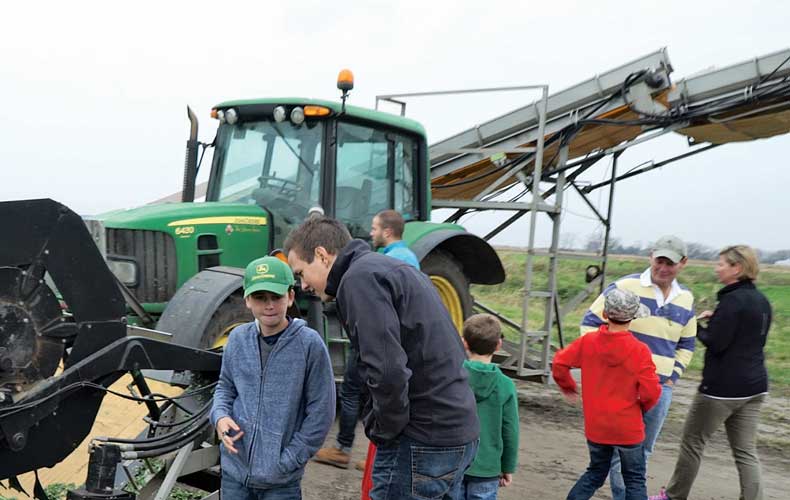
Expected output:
(275, 165)
(375, 171)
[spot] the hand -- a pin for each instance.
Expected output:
(669, 383)
(571, 397)
(229, 432)
(704, 315)
(505, 479)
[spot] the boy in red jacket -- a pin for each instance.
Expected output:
(619, 383)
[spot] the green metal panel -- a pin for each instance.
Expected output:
(351, 111)
(242, 231)
(417, 230)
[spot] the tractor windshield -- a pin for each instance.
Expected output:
(275, 165)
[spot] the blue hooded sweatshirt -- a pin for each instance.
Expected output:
(285, 410)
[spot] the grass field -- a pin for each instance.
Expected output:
(506, 298)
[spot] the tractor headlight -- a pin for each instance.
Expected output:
(279, 114)
(124, 269)
(231, 116)
(221, 116)
(297, 115)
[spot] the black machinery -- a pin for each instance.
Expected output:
(64, 341)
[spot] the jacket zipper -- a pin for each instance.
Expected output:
(258, 404)
(257, 409)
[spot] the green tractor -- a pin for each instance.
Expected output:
(274, 161)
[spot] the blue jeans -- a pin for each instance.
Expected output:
(350, 391)
(479, 490)
(654, 420)
(632, 459)
(234, 490)
(408, 469)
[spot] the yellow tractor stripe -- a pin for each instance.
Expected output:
(251, 221)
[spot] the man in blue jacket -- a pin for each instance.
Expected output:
(386, 233)
(275, 400)
(421, 414)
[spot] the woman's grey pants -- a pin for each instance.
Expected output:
(706, 414)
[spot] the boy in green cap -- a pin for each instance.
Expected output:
(275, 400)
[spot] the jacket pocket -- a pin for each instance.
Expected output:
(434, 469)
(265, 458)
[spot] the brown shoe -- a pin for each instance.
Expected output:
(333, 456)
(360, 465)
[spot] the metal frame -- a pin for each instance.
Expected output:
(530, 357)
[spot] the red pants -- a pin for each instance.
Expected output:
(367, 476)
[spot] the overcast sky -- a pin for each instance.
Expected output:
(94, 94)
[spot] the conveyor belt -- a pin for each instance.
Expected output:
(745, 101)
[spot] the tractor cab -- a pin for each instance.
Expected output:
(291, 156)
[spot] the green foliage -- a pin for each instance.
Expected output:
(507, 299)
(144, 473)
(57, 491)
(147, 471)
(185, 494)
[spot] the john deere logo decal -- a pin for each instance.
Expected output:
(262, 268)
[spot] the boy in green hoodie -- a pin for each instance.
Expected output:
(497, 409)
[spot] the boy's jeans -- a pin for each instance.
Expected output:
(231, 489)
(654, 420)
(632, 459)
(408, 469)
(479, 490)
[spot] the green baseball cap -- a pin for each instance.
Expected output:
(268, 274)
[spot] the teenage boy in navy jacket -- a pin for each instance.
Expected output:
(421, 414)
(275, 400)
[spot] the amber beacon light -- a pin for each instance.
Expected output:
(345, 82)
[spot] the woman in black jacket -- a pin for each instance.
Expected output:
(734, 379)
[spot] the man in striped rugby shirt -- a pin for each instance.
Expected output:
(669, 332)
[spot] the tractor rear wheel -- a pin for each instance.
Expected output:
(447, 276)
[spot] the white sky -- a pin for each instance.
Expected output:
(94, 93)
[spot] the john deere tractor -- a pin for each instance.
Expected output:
(274, 161)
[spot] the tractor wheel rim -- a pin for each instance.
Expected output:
(223, 336)
(450, 299)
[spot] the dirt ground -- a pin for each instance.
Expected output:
(553, 453)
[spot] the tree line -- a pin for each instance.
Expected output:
(698, 251)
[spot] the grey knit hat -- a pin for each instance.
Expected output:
(623, 306)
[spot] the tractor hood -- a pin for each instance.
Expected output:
(157, 248)
(159, 217)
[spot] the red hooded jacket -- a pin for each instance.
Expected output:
(619, 383)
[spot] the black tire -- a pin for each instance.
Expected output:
(229, 314)
(445, 270)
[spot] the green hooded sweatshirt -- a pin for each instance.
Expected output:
(497, 409)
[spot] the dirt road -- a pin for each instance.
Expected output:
(553, 453)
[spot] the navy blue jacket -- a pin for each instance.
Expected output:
(410, 354)
(285, 411)
(735, 339)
